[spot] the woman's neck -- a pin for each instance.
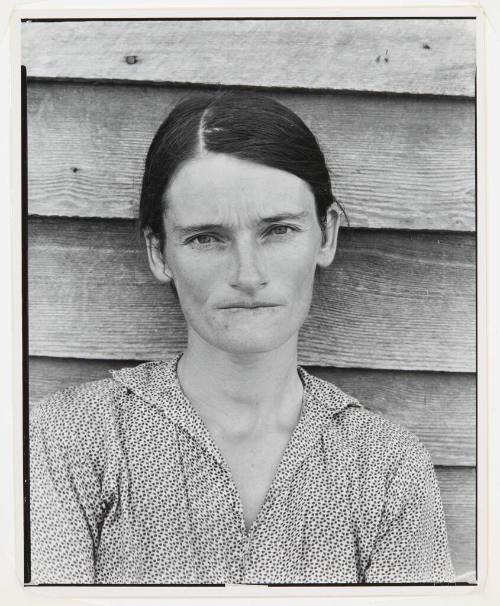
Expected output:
(243, 393)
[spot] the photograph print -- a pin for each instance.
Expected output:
(251, 301)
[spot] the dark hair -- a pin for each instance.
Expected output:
(242, 124)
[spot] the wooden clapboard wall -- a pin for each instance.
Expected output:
(392, 103)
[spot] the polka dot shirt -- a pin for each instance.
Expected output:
(128, 487)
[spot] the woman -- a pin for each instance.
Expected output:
(229, 464)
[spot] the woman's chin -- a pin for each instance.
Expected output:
(247, 333)
(245, 341)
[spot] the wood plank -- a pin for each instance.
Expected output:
(439, 408)
(458, 493)
(398, 300)
(396, 162)
(418, 56)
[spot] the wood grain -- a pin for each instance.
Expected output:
(398, 300)
(439, 408)
(418, 56)
(395, 162)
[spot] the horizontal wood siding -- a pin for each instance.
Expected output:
(398, 300)
(437, 407)
(402, 163)
(424, 56)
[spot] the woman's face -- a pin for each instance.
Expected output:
(242, 245)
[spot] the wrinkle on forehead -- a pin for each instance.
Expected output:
(222, 189)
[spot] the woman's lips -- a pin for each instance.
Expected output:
(255, 305)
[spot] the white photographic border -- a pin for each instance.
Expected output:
(262, 9)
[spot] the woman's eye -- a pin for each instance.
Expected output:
(280, 230)
(202, 240)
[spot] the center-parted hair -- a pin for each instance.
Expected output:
(243, 124)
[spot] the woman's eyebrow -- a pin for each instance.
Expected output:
(184, 230)
(285, 217)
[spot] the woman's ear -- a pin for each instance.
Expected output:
(156, 258)
(328, 247)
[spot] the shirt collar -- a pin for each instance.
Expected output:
(157, 383)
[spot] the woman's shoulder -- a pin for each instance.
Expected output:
(365, 426)
(92, 407)
(91, 397)
(101, 402)
(371, 435)
(380, 441)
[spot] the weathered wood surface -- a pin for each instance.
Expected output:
(422, 56)
(398, 300)
(439, 408)
(396, 162)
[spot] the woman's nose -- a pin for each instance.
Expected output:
(249, 272)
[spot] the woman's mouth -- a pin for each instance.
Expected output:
(249, 305)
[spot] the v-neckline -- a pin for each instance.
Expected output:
(157, 382)
(271, 487)
(293, 453)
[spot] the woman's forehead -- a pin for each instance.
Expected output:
(222, 188)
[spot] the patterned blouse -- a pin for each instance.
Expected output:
(128, 487)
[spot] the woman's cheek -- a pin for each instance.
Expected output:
(299, 263)
(193, 273)
(196, 287)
